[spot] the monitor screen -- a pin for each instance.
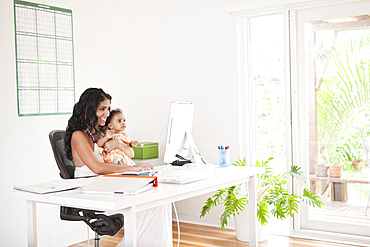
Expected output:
(180, 123)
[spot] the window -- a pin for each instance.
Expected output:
(338, 60)
(268, 88)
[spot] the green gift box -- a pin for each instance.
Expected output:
(146, 150)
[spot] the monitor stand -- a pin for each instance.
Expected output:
(189, 172)
(197, 156)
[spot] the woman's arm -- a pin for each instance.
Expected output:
(81, 147)
(116, 143)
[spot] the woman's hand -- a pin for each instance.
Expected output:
(116, 143)
(143, 166)
(113, 144)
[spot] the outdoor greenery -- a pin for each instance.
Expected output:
(344, 95)
(268, 88)
(274, 198)
(270, 121)
(350, 147)
(343, 101)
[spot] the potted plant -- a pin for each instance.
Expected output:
(358, 161)
(358, 164)
(321, 170)
(335, 167)
(273, 197)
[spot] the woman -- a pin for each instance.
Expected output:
(84, 128)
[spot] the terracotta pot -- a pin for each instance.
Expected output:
(321, 171)
(335, 171)
(358, 165)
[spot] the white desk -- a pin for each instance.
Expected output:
(129, 205)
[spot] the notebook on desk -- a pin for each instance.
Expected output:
(54, 186)
(121, 185)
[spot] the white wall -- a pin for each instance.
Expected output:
(194, 59)
(112, 51)
(145, 54)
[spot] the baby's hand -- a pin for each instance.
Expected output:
(109, 134)
(134, 143)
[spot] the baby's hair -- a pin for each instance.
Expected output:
(112, 113)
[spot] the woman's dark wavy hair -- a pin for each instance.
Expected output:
(84, 115)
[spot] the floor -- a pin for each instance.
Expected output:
(205, 236)
(341, 212)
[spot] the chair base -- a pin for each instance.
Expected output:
(97, 240)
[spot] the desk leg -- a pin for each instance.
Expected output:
(130, 226)
(253, 241)
(31, 223)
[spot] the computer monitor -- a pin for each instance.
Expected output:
(179, 139)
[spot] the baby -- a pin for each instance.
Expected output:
(116, 124)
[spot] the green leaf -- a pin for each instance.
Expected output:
(262, 212)
(224, 217)
(206, 207)
(241, 162)
(268, 171)
(311, 199)
(232, 204)
(212, 202)
(295, 172)
(278, 212)
(292, 204)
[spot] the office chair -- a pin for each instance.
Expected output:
(65, 165)
(101, 224)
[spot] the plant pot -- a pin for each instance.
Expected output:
(242, 227)
(358, 165)
(321, 171)
(335, 171)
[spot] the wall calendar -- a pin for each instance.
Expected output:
(44, 59)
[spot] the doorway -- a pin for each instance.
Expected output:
(333, 96)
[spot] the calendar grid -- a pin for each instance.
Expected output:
(44, 59)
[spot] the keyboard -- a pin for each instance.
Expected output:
(184, 174)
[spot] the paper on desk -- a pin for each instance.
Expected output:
(54, 186)
(121, 184)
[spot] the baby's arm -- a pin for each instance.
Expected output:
(108, 135)
(131, 143)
